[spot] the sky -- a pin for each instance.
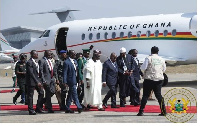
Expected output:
(15, 13)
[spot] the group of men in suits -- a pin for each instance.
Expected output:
(39, 76)
(44, 75)
(125, 71)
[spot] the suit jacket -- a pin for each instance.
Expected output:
(45, 72)
(69, 73)
(137, 72)
(110, 73)
(128, 62)
(32, 75)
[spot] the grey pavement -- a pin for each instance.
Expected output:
(186, 80)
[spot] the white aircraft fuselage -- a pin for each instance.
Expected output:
(174, 34)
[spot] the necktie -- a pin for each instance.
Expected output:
(75, 67)
(51, 68)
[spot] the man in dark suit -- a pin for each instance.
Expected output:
(109, 77)
(48, 81)
(135, 96)
(125, 70)
(33, 82)
(70, 79)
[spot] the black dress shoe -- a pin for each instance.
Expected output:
(122, 105)
(136, 104)
(13, 90)
(69, 111)
(14, 101)
(101, 109)
(163, 114)
(50, 111)
(89, 106)
(22, 102)
(114, 107)
(37, 110)
(32, 113)
(80, 110)
(140, 114)
(105, 104)
(62, 109)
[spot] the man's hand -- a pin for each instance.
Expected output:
(104, 84)
(65, 85)
(57, 82)
(126, 72)
(39, 85)
(88, 85)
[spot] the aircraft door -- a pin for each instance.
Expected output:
(61, 40)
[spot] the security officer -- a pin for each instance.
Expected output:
(81, 62)
(153, 67)
(58, 70)
(20, 71)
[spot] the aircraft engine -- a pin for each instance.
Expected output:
(193, 25)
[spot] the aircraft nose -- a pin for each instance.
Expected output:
(193, 25)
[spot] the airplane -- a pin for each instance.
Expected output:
(6, 50)
(174, 34)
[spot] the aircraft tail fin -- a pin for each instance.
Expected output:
(5, 45)
(64, 14)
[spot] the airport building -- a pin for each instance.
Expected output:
(20, 36)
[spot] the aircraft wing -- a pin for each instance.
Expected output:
(168, 59)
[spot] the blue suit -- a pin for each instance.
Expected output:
(69, 78)
(110, 76)
(135, 96)
(110, 73)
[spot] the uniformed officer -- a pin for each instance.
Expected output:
(20, 71)
(58, 70)
(81, 62)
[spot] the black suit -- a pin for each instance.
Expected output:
(47, 80)
(110, 76)
(125, 81)
(32, 81)
(135, 96)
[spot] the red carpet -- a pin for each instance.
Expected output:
(128, 108)
(8, 91)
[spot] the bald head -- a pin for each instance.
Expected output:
(113, 57)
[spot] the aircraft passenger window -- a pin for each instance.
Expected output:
(46, 34)
(83, 36)
(165, 33)
(156, 33)
(148, 33)
(90, 36)
(98, 35)
(138, 34)
(129, 34)
(106, 35)
(113, 35)
(174, 32)
(121, 34)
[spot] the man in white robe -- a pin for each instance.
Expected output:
(92, 77)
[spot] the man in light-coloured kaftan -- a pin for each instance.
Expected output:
(92, 76)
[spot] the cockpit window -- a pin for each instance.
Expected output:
(45, 34)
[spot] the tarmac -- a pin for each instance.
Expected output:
(186, 80)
